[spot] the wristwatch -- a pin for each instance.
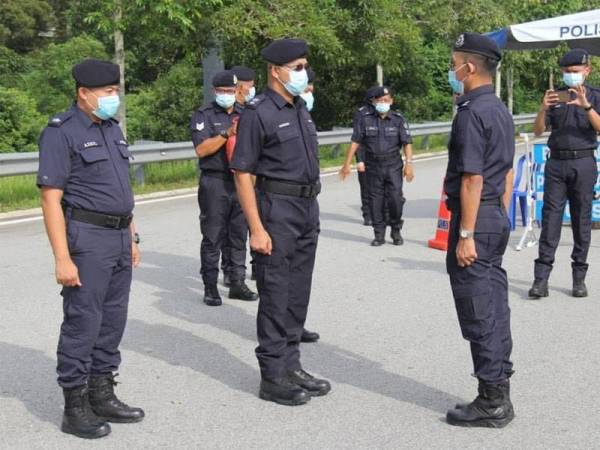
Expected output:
(224, 134)
(466, 234)
(588, 108)
(136, 238)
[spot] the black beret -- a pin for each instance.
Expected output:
(283, 51)
(575, 57)
(478, 44)
(376, 92)
(311, 75)
(95, 73)
(244, 73)
(225, 78)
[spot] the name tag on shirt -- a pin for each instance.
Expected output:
(90, 144)
(283, 125)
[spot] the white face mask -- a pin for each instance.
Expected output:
(573, 79)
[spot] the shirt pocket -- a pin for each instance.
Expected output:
(123, 147)
(287, 134)
(94, 157)
(582, 120)
(371, 132)
(312, 129)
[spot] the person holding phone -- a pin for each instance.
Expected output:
(571, 115)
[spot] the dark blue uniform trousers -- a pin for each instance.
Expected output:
(284, 280)
(572, 180)
(221, 219)
(481, 294)
(384, 181)
(95, 313)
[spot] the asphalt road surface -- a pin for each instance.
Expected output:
(390, 344)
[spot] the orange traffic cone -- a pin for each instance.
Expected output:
(440, 241)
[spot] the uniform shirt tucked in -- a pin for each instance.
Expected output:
(482, 142)
(277, 140)
(207, 122)
(570, 126)
(89, 161)
(380, 135)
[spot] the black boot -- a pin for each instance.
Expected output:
(395, 234)
(211, 295)
(105, 403)
(309, 336)
(379, 239)
(539, 289)
(314, 386)
(579, 288)
(226, 280)
(78, 418)
(283, 391)
(492, 408)
(240, 291)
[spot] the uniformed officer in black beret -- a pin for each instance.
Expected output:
(220, 212)
(570, 172)
(87, 203)
(245, 92)
(383, 133)
(277, 142)
(479, 184)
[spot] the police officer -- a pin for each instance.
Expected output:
(245, 92)
(383, 133)
(87, 203)
(220, 212)
(570, 172)
(277, 142)
(479, 183)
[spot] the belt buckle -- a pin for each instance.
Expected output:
(113, 221)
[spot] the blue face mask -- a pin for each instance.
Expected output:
(298, 82)
(251, 94)
(225, 101)
(573, 79)
(382, 107)
(309, 99)
(457, 86)
(107, 107)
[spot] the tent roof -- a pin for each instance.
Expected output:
(580, 30)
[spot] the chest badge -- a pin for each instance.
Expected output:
(200, 126)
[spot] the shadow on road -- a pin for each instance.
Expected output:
(178, 347)
(28, 375)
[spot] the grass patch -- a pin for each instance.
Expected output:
(20, 192)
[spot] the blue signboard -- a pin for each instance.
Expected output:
(540, 153)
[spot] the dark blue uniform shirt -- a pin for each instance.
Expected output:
(277, 140)
(207, 122)
(360, 153)
(89, 161)
(569, 124)
(380, 135)
(482, 142)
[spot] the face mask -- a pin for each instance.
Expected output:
(251, 94)
(225, 101)
(309, 99)
(573, 79)
(382, 107)
(107, 107)
(298, 82)
(457, 86)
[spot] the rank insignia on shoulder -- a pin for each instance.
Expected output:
(463, 104)
(55, 122)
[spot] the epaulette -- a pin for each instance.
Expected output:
(464, 105)
(59, 119)
(206, 107)
(252, 104)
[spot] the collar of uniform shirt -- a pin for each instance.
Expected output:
(83, 117)
(279, 101)
(485, 89)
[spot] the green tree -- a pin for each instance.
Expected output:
(20, 123)
(22, 21)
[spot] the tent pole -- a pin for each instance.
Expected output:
(509, 88)
(499, 81)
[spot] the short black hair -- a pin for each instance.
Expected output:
(487, 65)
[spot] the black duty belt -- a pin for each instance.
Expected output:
(217, 174)
(284, 188)
(572, 154)
(384, 156)
(453, 204)
(101, 220)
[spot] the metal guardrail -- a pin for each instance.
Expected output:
(27, 163)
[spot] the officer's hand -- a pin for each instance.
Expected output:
(136, 256)
(361, 167)
(409, 173)
(232, 130)
(465, 252)
(550, 99)
(261, 242)
(67, 273)
(344, 171)
(580, 97)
